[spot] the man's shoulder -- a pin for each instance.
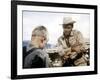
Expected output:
(61, 37)
(76, 31)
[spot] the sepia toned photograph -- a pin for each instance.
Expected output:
(53, 39)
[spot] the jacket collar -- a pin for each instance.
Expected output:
(30, 46)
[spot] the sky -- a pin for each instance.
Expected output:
(52, 21)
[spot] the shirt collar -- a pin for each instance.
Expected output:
(30, 46)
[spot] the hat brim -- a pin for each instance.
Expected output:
(69, 23)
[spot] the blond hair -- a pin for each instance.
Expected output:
(39, 31)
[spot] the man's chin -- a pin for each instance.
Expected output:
(66, 35)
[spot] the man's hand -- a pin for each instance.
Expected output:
(77, 49)
(66, 55)
(62, 51)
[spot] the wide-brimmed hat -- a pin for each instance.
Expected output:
(68, 20)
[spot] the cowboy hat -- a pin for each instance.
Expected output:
(68, 20)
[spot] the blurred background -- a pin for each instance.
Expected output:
(52, 21)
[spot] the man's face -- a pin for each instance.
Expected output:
(67, 28)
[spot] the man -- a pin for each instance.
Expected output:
(71, 44)
(37, 57)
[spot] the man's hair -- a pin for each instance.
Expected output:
(40, 31)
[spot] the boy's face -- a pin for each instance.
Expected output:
(39, 41)
(42, 42)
